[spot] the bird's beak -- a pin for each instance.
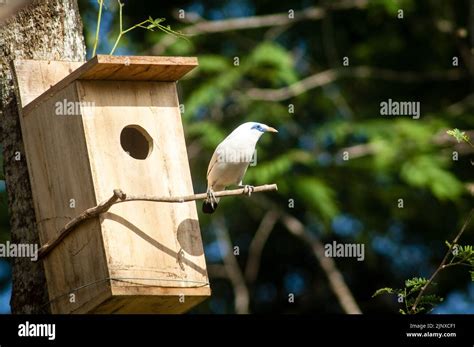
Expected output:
(271, 130)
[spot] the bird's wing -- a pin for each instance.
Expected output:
(212, 162)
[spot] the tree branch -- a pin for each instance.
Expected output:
(336, 280)
(258, 243)
(119, 196)
(244, 23)
(233, 270)
(442, 266)
(364, 72)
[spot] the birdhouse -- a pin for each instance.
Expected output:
(89, 128)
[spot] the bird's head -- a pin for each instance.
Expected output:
(250, 131)
(263, 128)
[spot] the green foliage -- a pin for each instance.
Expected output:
(407, 295)
(391, 6)
(426, 172)
(415, 284)
(149, 24)
(211, 63)
(413, 292)
(406, 148)
(381, 291)
(209, 133)
(269, 62)
(318, 196)
(280, 167)
(462, 255)
(459, 135)
(213, 92)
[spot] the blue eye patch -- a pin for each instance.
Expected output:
(258, 127)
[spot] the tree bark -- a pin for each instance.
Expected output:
(47, 30)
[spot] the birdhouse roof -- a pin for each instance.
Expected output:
(37, 79)
(134, 68)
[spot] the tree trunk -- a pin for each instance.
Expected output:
(46, 30)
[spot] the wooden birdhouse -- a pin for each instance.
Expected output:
(89, 128)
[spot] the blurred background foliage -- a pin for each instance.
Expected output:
(355, 200)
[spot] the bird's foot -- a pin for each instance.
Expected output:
(211, 197)
(248, 190)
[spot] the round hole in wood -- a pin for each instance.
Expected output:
(136, 142)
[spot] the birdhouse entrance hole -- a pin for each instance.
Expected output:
(136, 142)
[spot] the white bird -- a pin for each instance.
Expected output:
(231, 160)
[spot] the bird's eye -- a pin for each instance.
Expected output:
(258, 127)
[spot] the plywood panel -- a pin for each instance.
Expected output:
(147, 243)
(34, 77)
(166, 302)
(62, 188)
(136, 68)
(122, 68)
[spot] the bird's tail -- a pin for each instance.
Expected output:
(209, 208)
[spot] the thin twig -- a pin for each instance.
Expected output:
(442, 266)
(121, 28)
(97, 30)
(119, 197)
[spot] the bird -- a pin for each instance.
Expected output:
(230, 161)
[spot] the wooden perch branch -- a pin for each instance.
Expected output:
(119, 196)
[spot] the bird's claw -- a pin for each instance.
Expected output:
(211, 197)
(248, 190)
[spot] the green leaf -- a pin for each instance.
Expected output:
(458, 135)
(415, 284)
(415, 281)
(430, 300)
(385, 290)
(465, 253)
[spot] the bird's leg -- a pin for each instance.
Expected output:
(211, 197)
(248, 190)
